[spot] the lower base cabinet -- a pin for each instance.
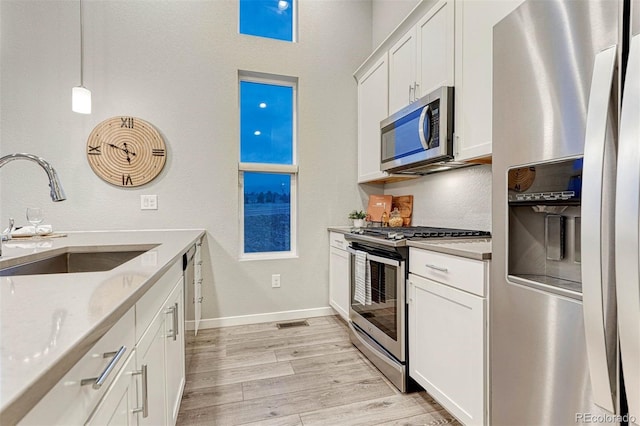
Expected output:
(448, 338)
(145, 383)
(339, 274)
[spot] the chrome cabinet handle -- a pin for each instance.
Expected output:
(173, 310)
(97, 382)
(415, 90)
(410, 90)
(145, 392)
(200, 299)
(200, 281)
(437, 268)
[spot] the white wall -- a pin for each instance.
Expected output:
(175, 64)
(387, 14)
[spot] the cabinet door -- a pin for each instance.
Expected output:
(474, 74)
(119, 402)
(435, 48)
(447, 347)
(402, 72)
(174, 351)
(197, 300)
(372, 109)
(339, 281)
(150, 353)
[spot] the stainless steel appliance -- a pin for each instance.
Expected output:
(565, 292)
(419, 134)
(378, 322)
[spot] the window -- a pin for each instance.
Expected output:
(267, 169)
(267, 18)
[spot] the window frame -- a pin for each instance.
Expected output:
(290, 169)
(294, 25)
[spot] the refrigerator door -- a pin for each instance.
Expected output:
(544, 55)
(628, 231)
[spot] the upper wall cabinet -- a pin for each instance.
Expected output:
(372, 109)
(423, 58)
(474, 21)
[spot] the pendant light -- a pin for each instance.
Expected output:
(80, 95)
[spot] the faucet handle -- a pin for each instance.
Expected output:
(6, 234)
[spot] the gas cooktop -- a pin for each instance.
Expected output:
(398, 236)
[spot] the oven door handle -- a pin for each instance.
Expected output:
(386, 261)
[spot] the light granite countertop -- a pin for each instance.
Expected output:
(35, 353)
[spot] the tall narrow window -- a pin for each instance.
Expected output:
(267, 18)
(267, 168)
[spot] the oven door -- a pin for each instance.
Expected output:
(383, 319)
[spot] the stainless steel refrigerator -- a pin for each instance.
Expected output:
(565, 292)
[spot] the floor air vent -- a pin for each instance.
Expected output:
(292, 324)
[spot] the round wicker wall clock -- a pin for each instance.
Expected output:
(126, 151)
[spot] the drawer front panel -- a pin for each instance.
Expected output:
(55, 409)
(465, 274)
(337, 240)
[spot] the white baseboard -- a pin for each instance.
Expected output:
(259, 318)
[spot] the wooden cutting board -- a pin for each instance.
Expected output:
(404, 203)
(378, 204)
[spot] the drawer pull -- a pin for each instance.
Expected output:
(173, 310)
(200, 281)
(145, 394)
(97, 382)
(437, 268)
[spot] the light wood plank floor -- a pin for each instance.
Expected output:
(261, 375)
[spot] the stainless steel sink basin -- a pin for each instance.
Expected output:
(72, 262)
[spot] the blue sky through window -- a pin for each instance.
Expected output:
(267, 18)
(266, 123)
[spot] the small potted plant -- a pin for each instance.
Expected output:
(358, 217)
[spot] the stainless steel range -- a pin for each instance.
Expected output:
(378, 310)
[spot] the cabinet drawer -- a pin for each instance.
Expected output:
(153, 299)
(55, 408)
(462, 273)
(337, 240)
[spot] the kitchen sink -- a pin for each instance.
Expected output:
(72, 262)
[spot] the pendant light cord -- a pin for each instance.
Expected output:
(81, 48)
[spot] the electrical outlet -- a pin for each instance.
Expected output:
(148, 202)
(275, 281)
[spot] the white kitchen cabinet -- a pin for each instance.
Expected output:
(150, 355)
(448, 337)
(423, 58)
(158, 352)
(174, 351)
(339, 274)
(474, 74)
(119, 404)
(372, 109)
(198, 286)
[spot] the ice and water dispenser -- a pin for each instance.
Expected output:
(544, 226)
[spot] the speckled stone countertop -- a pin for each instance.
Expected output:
(32, 360)
(478, 249)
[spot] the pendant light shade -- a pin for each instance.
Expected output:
(81, 100)
(80, 95)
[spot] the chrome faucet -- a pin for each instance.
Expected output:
(57, 193)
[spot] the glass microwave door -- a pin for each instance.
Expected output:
(401, 138)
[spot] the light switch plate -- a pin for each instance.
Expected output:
(148, 202)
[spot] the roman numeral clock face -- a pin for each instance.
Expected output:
(126, 151)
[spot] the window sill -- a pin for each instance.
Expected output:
(267, 256)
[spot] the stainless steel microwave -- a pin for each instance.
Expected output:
(419, 134)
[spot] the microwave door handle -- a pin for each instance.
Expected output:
(627, 241)
(423, 115)
(595, 277)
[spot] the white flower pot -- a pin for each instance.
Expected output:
(358, 223)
